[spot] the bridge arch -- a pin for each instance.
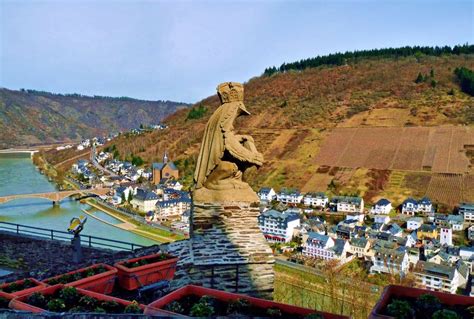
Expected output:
(55, 197)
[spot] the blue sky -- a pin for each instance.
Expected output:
(181, 50)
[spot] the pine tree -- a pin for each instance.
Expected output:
(419, 78)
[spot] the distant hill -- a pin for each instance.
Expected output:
(36, 117)
(294, 112)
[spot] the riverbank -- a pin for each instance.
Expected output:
(140, 228)
(130, 225)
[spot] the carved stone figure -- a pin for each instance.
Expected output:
(224, 155)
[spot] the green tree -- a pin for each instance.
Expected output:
(432, 73)
(419, 78)
(137, 160)
(466, 79)
(130, 196)
(197, 113)
(123, 198)
(433, 83)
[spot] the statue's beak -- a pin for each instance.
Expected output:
(244, 110)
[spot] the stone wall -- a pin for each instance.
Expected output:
(226, 251)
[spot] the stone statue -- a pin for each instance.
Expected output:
(224, 155)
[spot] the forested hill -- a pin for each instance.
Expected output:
(34, 117)
(348, 57)
(293, 112)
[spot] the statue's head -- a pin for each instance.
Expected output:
(232, 92)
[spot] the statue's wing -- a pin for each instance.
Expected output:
(212, 149)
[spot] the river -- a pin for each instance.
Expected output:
(18, 175)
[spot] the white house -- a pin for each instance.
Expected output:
(347, 204)
(466, 252)
(389, 261)
(382, 219)
(315, 199)
(324, 247)
(414, 223)
(470, 233)
(425, 205)
(409, 207)
(123, 193)
(467, 210)
(289, 196)
(144, 200)
(277, 226)
(446, 235)
(359, 246)
(266, 194)
(437, 277)
(357, 217)
(172, 208)
(456, 222)
(382, 206)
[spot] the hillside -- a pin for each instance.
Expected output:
(295, 112)
(33, 117)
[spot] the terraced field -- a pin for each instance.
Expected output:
(436, 149)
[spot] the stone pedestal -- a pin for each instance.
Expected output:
(227, 235)
(226, 251)
(227, 241)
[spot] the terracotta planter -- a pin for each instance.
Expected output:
(102, 283)
(38, 286)
(6, 296)
(226, 297)
(21, 303)
(393, 291)
(135, 277)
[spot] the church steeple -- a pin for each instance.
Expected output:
(165, 158)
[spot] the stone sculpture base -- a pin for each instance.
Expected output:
(226, 250)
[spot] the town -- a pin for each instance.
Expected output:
(411, 241)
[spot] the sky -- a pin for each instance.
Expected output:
(181, 50)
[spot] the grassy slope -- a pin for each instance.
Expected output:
(35, 117)
(293, 112)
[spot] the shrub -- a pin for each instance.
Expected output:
(3, 303)
(238, 306)
(400, 309)
(445, 314)
(174, 307)
(77, 309)
(201, 309)
(69, 295)
(56, 305)
(426, 304)
(111, 306)
(88, 302)
(37, 299)
(99, 310)
(274, 312)
(133, 308)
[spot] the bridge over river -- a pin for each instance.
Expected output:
(57, 196)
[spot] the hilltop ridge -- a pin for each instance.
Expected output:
(36, 117)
